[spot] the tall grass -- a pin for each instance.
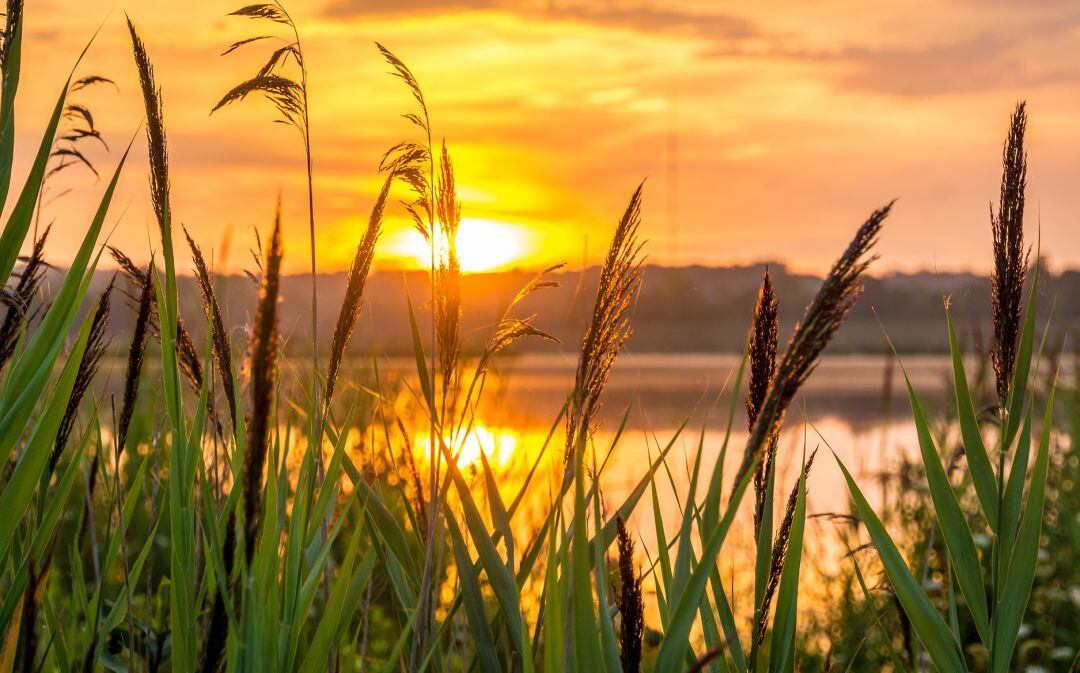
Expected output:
(305, 553)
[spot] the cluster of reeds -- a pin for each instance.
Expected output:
(994, 582)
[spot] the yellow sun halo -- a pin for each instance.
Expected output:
(497, 444)
(483, 245)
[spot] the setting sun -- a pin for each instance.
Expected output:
(497, 444)
(483, 245)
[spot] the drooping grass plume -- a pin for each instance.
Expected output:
(779, 555)
(96, 344)
(631, 603)
(263, 377)
(20, 298)
(609, 327)
(354, 291)
(219, 338)
(68, 146)
(289, 95)
(1010, 257)
(762, 355)
(839, 291)
(136, 355)
(509, 329)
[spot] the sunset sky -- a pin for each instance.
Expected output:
(765, 130)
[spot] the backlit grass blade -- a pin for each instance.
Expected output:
(686, 544)
(12, 70)
(1012, 500)
(499, 516)
(553, 604)
(585, 642)
(952, 521)
(671, 657)
(18, 492)
(782, 650)
(338, 612)
(982, 471)
(1012, 606)
(28, 376)
(716, 481)
(925, 620)
(421, 364)
(499, 575)
(886, 637)
(608, 647)
(473, 598)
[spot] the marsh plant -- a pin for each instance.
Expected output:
(233, 522)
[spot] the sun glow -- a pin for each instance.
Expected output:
(498, 444)
(483, 245)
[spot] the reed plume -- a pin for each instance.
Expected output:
(219, 338)
(354, 291)
(96, 343)
(289, 96)
(609, 328)
(631, 603)
(187, 353)
(762, 354)
(217, 629)
(20, 298)
(263, 377)
(414, 477)
(839, 291)
(79, 128)
(1010, 258)
(12, 27)
(136, 353)
(414, 163)
(447, 296)
(155, 137)
(779, 555)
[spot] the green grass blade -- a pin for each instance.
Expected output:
(475, 612)
(28, 376)
(953, 523)
(886, 637)
(18, 492)
(554, 602)
(982, 471)
(1012, 605)
(583, 620)
(927, 623)
(499, 575)
(499, 516)
(782, 650)
(12, 69)
(336, 614)
(608, 646)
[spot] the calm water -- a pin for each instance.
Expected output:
(848, 405)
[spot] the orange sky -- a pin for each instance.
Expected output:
(790, 121)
